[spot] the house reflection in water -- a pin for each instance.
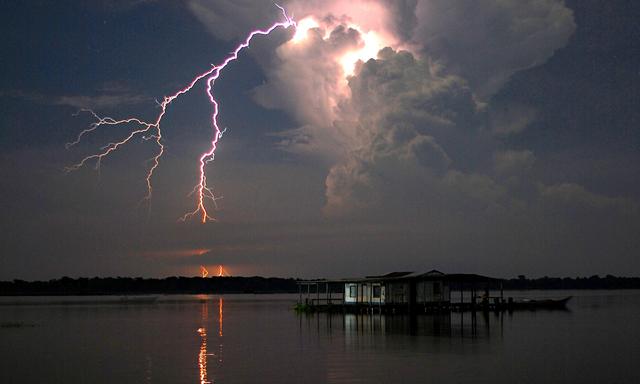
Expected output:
(203, 354)
(357, 328)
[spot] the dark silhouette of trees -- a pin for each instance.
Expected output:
(138, 285)
(256, 284)
(593, 282)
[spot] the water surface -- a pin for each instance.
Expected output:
(259, 339)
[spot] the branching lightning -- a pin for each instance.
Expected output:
(222, 272)
(152, 130)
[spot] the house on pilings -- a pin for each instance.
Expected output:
(398, 291)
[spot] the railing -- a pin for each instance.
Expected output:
(325, 301)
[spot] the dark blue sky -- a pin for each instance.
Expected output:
(588, 95)
(541, 178)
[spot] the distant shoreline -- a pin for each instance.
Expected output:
(122, 286)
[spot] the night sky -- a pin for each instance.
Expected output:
(487, 137)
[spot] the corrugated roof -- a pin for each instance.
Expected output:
(390, 275)
(431, 275)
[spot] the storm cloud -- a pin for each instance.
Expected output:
(413, 137)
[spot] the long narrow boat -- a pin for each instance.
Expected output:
(541, 303)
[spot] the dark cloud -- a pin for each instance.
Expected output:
(488, 41)
(109, 98)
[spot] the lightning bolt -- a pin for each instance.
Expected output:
(221, 271)
(152, 130)
(203, 271)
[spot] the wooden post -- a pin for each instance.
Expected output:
(357, 289)
(473, 298)
(299, 293)
(326, 288)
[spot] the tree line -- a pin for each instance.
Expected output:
(139, 285)
(257, 284)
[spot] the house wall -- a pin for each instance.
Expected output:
(363, 293)
(380, 299)
(429, 291)
(349, 296)
(397, 292)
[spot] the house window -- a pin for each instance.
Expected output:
(436, 288)
(352, 291)
(377, 291)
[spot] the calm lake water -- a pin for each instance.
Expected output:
(260, 339)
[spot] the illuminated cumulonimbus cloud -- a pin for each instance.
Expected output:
(312, 72)
(395, 93)
(387, 91)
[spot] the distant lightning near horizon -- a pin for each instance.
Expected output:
(201, 190)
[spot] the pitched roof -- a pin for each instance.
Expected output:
(433, 274)
(390, 275)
